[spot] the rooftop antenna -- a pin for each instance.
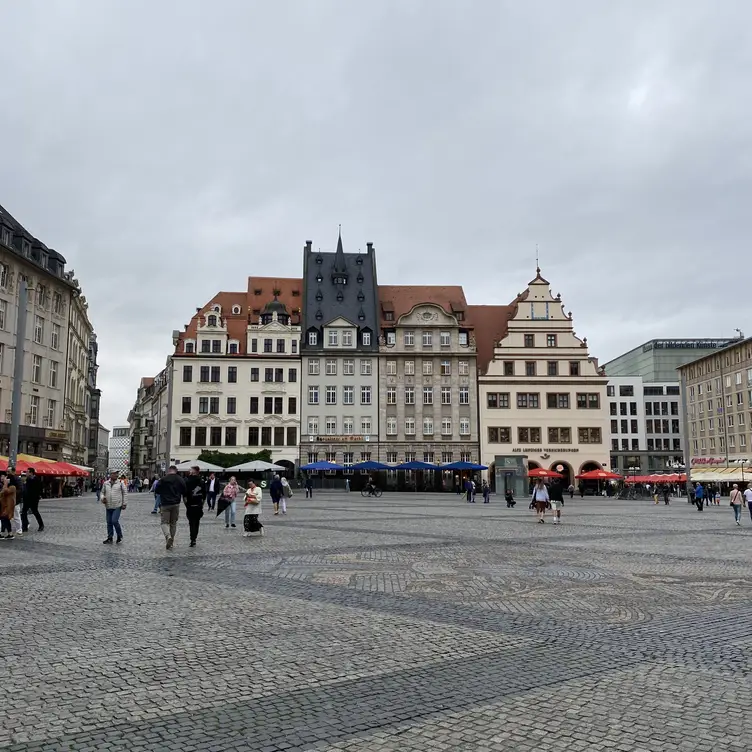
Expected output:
(537, 262)
(740, 333)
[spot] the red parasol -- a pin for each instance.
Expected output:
(598, 475)
(540, 472)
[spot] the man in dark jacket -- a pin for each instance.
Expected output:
(276, 491)
(194, 502)
(32, 493)
(556, 497)
(172, 491)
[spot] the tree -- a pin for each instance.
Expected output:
(228, 459)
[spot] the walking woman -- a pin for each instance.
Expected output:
(252, 511)
(229, 492)
(737, 499)
(7, 508)
(541, 499)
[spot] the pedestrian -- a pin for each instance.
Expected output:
(211, 492)
(541, 500)
(114, 496)
(308, 487)
(571, 491)
(469, 491)
(718, 498)
(252, 510)
(737, 499)
(486, 490)
(666, 495)
(7, 507)
(286, 494)
(556, 499)
(172, 491)
(194, 502)
(276, 491)
(509, 496)
(31, 496)
(699, 496)
(748, 498)
(229, 492)
(157, 503)
(474, 489)
(347, 485)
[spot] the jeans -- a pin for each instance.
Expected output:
(749, 504)
(33, 507)
(230, 514)
(169, 520)
(737, 511)
(211, 499)
(157, 502)
(113, 523)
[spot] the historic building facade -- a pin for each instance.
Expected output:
(236, 374)
(542, 396)
(340, 357)
(428, 402)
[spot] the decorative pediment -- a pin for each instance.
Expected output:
(341, 322)
(427, 314)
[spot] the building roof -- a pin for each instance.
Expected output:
(401, 299)
(491, 324)
(7, 219)
(262, 291)
(147, 381)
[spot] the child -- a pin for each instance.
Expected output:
(252, 511)
(7, 508)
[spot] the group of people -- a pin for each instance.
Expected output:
(19, 497)
(545, 498)
(171, 491)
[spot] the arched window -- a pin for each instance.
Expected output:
(190, 347)
(211, 321)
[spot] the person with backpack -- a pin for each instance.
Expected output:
(229, 492)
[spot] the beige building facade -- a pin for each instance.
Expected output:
(542, 396)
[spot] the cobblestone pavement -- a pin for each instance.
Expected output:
(409, 623)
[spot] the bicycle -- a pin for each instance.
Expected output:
(371, 491)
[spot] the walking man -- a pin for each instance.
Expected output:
(699, 496)
(748, 497)
(211, 492)
(32, 495)
(276, 491)
(172, 491)
(114, 496)
(308, 487)
(194, 502)
(556, 497)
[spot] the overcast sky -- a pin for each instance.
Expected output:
(171, 149)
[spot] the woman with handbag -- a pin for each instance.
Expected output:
(541, 500)
(229, 492)
(736, 502)
(252, 510)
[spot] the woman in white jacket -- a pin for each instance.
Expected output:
(252, 510)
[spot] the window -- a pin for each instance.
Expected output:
(446, 426)
(214, 405)
(3, 311)
(348, 395)
(559, 435)
(36, 369)
(626, 391)
(231, 436)
(268, 405)
(464, 426)
(527, 401)
(558, 401)
(38, 330)
(216, 346)
(268, 345)
(313, 426)
(279, 375)
(574, 368)
(464, 395)
(280, 346)
(632, 408)
(53, 374)
(55, 337)
(589, 435)
(231, 405)
(292, 436)
(331, 395)
(529, 340)
(331, 426)
(409, 426)
(408, 339)
(367, 338)
(464, 368)
(391, 426)
(529, 435)
(254, 374)
(348, 426)
(409, 368)
(550, 340)
(499, 435)
(215, 374)
(391, 368)
(409, 395)
(391, 395)
(624, 426)
(254, 345)
(391, 338)
(365, 426)
(204, 374)
(331, 367)
(610, 391)
(268, 375)
(428, 395)
(633, 426)
(509, 368)
(292, 375)
(347, 338)
(233, 348)
(185, 436)
(552, 368)
(446, 395)
(232, 375)
(463, 339)
(314, 366)
(203, 405)
(445, 338)
(205, 346)
(186, 405)
(294, 345)
(313, 395)
(427, 339)
(615, 426)
(313, 338)
(428, 426)
(366, 367)
(348, 367)
(427, 367)
(446, 368)
(51, 410)
(215, 436)
(333, 338)
(365, 395)
(592, 401)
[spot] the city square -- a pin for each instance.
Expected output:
(411, 622)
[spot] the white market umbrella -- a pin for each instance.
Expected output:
(254, 466)
(204, 467)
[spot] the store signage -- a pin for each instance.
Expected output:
(50, 434)
(708, 460)
(341, 439)
(687, 344)
(538, 450)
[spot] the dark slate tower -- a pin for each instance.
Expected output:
(340, 287)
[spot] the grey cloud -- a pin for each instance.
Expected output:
(175, 148)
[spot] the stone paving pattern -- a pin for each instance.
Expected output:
(413, 622)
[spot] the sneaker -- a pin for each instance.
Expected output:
(227, 527)
(233, 525)
(106, 541)
(10, 536)
(153, 511)
(169, 543)
(119, 540)
(192, 544)
(738, 523)
(41, 529)
(276, 513)
(263, 533)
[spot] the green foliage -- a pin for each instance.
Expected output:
(227, 459)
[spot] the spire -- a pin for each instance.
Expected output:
(339, 256)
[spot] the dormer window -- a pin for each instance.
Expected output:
(319, 259)
(233, 348)
(340, 296)
(319, 278)
(340, 280)
(319, 315)
(189, 347)
(257, 292)
(296, 293)
(319, 295)
(460, 315)
(216, 309)
(236, 310)
(361, 297)
(211, 321)
(359, 260)
(389, 316)
(313, 338)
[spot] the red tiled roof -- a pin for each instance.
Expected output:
(147, 381)
(490, 323)
(401, 299)
(261, 291)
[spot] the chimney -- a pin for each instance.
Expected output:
(308, 245)
(369, 247)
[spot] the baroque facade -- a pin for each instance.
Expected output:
(428, 406)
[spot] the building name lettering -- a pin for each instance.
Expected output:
(687, 344)
(340, 439)
(539, 450)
